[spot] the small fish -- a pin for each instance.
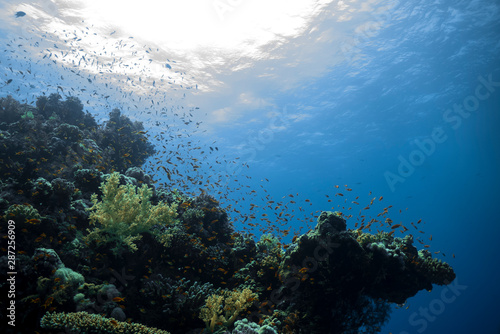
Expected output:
(20, 14)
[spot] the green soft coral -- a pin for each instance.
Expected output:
(125, 212)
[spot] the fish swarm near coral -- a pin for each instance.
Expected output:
(102, 249)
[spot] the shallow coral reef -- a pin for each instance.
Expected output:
(100, 248)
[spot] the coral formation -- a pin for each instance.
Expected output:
(328, 266)
(224, 309)
(137, 149)
(246, 327)
(124, 213)
(83, 322)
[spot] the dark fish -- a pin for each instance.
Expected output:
(20, 14)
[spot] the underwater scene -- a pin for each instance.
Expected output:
(249, 167)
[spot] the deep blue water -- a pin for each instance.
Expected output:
(405, 106)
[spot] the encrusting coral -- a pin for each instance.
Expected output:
(125, 212)
(83, 322)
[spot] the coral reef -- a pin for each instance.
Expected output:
(101, 247)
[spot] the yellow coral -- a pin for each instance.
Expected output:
(231, 303)
(211, 314)
(125, 212)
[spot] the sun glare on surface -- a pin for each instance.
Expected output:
(188, 25)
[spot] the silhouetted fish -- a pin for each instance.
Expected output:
(20, 14)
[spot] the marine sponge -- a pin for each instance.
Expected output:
(125, 212)
(85, 322)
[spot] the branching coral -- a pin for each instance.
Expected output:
(231, 303)
(125, 212)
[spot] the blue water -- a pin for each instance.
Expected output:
(413, 86)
